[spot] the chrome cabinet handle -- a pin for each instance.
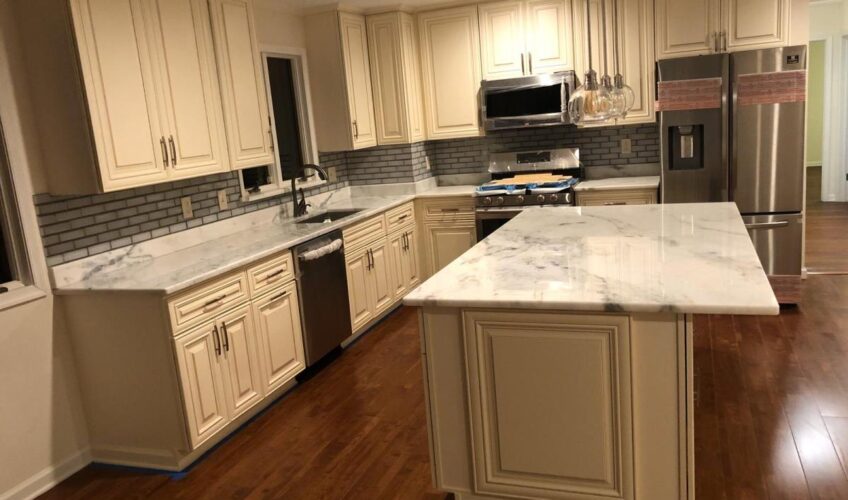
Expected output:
(164, 152)
(767, 225)
(216, 340)
(173, 150)
(226, 336)
(355, 130)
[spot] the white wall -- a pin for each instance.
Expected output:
(43, 434)
(829, 22)
(278, 25)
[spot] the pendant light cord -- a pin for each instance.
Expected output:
(589, 34)
(604, 31)
(615, 34)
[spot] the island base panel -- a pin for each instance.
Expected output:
(509, 391)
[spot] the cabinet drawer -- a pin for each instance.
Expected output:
(441, 209)
(620, 197)
(203, 303)
(365, 232)
(399, 217)
(270, 273)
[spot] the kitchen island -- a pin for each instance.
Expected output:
(558, 351)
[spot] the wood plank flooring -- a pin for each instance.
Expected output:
(826, 230)
(771, 419)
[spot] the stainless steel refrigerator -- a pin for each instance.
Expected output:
(732, 129)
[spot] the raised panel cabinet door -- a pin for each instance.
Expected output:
(241, 358)
(411, 264)
(246, 114)
(113, 38)
(412, 77)
(196, 142)
(381, 277)
(602, 48)
(574, 370)
(636, 52)
(358, 268)
(502, 40)
(397, 258)
(358, 77)
(549, 36)
(446, 242)
(450, 68)
(202, 382)
(686, 27)
(387, 73)
(754, 24)
(280, 337)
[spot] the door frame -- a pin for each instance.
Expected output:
(835, 93)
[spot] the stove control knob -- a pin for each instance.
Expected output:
(520, 199)
(568, 197)
(553, 198)
(540, 198)
(486, 201)
(499, 200)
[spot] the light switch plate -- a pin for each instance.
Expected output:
(626, 148)
(223, 202)
(185, 202)
(331, 173)
(427, 162)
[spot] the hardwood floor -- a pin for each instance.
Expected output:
(771, 419)
(826, 230)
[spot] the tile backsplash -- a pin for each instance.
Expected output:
(76, 227)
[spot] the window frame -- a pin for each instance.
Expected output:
(278, 185)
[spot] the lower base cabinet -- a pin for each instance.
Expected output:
(280, 336)
(447, 241)
(404, 261)
(369, 282)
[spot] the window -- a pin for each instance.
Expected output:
(294, 142)
(14, 265)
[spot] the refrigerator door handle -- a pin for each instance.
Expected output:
(767, 225)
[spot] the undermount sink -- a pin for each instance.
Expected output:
(328, 216)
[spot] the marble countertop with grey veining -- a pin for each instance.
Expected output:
(682, 258)
(150, 268)
(617, 183)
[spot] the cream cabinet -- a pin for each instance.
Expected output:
(448, 230)
(370, 282)
(696, 27)
(450, 67)
(404, 261)
(521, 37)
(280, 336)
(243, 91)
(340, 81)
(396, 78)
(617, 197)
(239, 349)
(635, 34)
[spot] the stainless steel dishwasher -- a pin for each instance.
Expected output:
(322, 287)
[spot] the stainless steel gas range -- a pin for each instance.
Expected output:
(523, 179)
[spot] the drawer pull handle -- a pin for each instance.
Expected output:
(275, 275)
(450, 210)
(402, 217)
(609, 203)
(214, 303)
(279, 296)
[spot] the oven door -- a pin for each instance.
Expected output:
(490, 220)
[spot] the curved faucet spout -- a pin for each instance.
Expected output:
(299, 205)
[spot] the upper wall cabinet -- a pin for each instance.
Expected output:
(450, 65)
(396, 78)
(696, 27)
(525, 37)
(242, 84)
(340, 81)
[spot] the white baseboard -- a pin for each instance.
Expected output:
(48, 477)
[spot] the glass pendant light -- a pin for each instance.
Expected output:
(590, 103)
(621, 94)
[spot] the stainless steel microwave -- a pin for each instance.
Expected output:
(527, 101)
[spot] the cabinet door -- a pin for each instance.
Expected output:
(387, 58)
(549, 36)
(636, 52)
(754, 24)
(412, 77)
(358, 78)
(186, 66)
(280, 337)
(242, 84)
(117, 68)
(446, 242)
(243, 373)
(202, 382)
(686, 27)
(381, 278)
(602, 49)
(502, 48)
(411, 265)
(397, 258)
(450, 67)
(358, 282)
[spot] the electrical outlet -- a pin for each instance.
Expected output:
(626, 147)
(223, 202)
(331, 173)
(185, 202)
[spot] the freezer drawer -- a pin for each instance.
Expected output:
(777, 239)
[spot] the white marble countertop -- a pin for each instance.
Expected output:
(139, 270)
(616, 183)
(684, 258)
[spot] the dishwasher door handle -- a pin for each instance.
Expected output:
(317, 253)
